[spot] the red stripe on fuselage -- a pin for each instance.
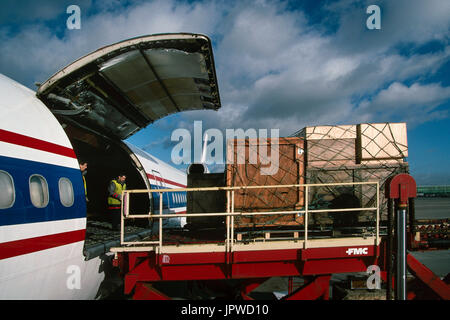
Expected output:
(29, 142)
(151, 176)
(30, 245)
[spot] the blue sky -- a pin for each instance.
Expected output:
(280, 64)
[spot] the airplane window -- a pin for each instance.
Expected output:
(38, 191)
(66, 192)
(7, 196)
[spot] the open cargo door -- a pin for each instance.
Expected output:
(120, 89)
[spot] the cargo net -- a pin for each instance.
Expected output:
(356, 196)
(318, 155)
(352, 153)
(288, 170)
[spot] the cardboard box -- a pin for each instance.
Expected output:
(382, 141)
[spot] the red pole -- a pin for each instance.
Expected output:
(401, 187)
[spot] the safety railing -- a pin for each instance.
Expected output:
(231, 214)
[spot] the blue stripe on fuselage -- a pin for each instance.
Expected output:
(167, 198)
(23, 211)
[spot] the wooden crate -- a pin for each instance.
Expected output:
(241, 171)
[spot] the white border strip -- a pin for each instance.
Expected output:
(39, 229)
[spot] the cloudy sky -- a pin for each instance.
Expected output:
(280, 64)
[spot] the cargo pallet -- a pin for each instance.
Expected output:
(146, 263)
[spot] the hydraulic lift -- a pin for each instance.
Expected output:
(248, 264)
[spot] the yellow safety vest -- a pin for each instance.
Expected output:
(85, 189)
(119, 188)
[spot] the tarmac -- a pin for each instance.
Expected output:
(432, 208)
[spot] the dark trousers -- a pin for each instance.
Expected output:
(114, 215)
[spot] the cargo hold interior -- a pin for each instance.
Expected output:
(106, 160)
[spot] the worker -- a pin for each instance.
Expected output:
(115, 188)
(83, 169)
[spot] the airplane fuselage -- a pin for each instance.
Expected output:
(43, 211)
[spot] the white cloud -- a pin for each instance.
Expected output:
(257, 37)
(416, 103)
(287, 75)
(397, 95)
(402, 21)
(27, 11)
(274, 69)
(35, 52)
